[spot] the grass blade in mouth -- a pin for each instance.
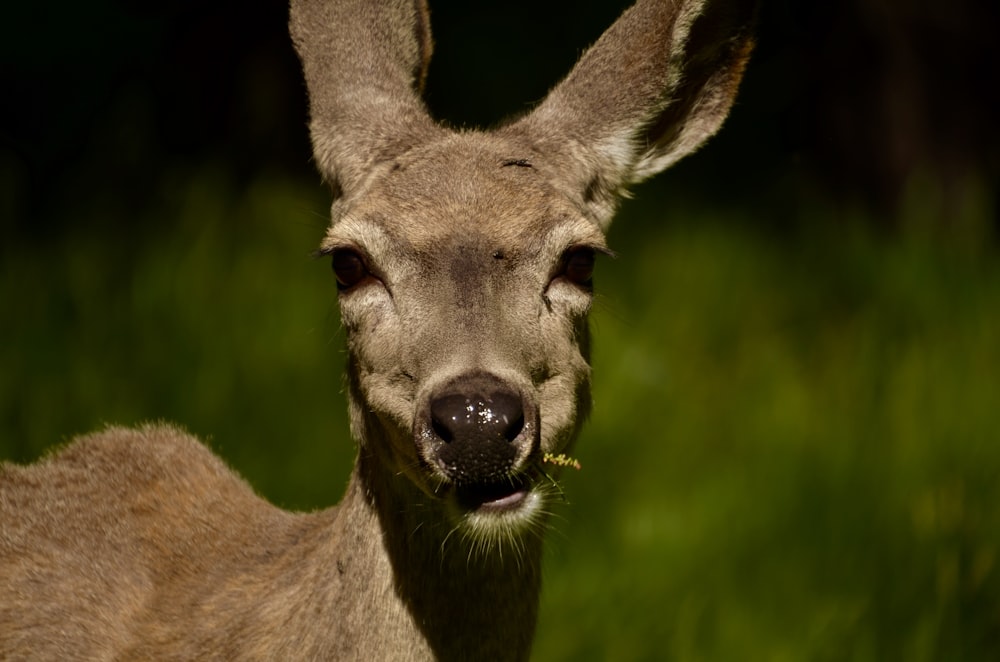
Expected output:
(562, 460)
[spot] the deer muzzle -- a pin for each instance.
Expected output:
(477, 433)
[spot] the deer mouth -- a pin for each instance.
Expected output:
(496, 497)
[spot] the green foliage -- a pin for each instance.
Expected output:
(209, 312)
(793, 453)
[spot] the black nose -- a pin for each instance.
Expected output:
(475, 430)
(477, 418)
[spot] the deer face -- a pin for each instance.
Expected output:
(464, 258)
(465, 283)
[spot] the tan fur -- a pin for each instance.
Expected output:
(140, 544)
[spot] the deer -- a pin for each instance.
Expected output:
(464, 262)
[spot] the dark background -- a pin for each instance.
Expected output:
(847, 98)
(794, 451)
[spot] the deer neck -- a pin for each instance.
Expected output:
(463, 601)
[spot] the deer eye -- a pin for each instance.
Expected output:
(578, 265)
(349, 268)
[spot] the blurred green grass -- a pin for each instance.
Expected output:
(209, 312)
(794, 448)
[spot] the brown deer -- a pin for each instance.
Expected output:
(463, 261)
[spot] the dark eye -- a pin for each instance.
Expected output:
(348, 267)
(578, 265)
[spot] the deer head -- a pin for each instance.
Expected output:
(464, 259)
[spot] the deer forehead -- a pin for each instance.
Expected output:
(468, 199)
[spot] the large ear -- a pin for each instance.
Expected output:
(652, 89)
(364, 62)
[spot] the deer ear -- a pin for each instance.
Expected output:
(652, 89)
(364, 63)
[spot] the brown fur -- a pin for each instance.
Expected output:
(140, 544)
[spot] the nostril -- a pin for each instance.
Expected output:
(443, 423)
(515, 428)
(506, 414)
(478, 417)
(450, 415)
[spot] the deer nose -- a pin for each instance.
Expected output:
(477, 429)
(485, 418)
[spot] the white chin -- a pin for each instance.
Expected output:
(505, 518)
